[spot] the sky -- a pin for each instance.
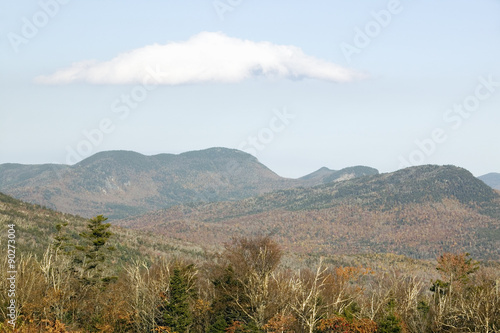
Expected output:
(300, 85)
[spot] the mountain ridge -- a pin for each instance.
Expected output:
(491, 179)
(419, 212)
(326, 175)
(126, 183)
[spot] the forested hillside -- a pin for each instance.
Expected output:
(37, 226)
(123, 183)
(77, 275)
(419, 211)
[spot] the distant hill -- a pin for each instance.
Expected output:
(124, 183)
(36, 227)
(492, 180)
(325, 175)
(420, 212)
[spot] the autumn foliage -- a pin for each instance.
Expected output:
(248, 288)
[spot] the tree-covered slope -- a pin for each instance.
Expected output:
(36, 228)
(123, 183)
(419, 211)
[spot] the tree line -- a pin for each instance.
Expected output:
(244, 288)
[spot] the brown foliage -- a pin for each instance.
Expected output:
(455, 268)
(254, 260)
(260, 294)
(280, 324)
(259, 255)
(339, 324)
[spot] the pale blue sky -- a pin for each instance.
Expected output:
(428, 57)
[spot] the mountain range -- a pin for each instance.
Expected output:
(419, 211)
(120, 184)
(206, 197)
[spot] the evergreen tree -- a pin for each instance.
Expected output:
(176, 311)
(219, 326)
(390, 323)
(91, 257)
(227, 290)
(61, 243)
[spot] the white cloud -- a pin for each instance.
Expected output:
(205, 57)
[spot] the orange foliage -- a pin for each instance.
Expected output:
(456, 267)
(29, 326)
(341, 325)
(235, 327)
(280, 324)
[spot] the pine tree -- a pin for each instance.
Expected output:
(390, 323)
(91, 257)
(219, 326)
(227, 289)
(176, 312)
(61, 243)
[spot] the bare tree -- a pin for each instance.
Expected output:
(147, 286)
(306, 290)
(478, 307)
(254, 260)
(343, 288)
